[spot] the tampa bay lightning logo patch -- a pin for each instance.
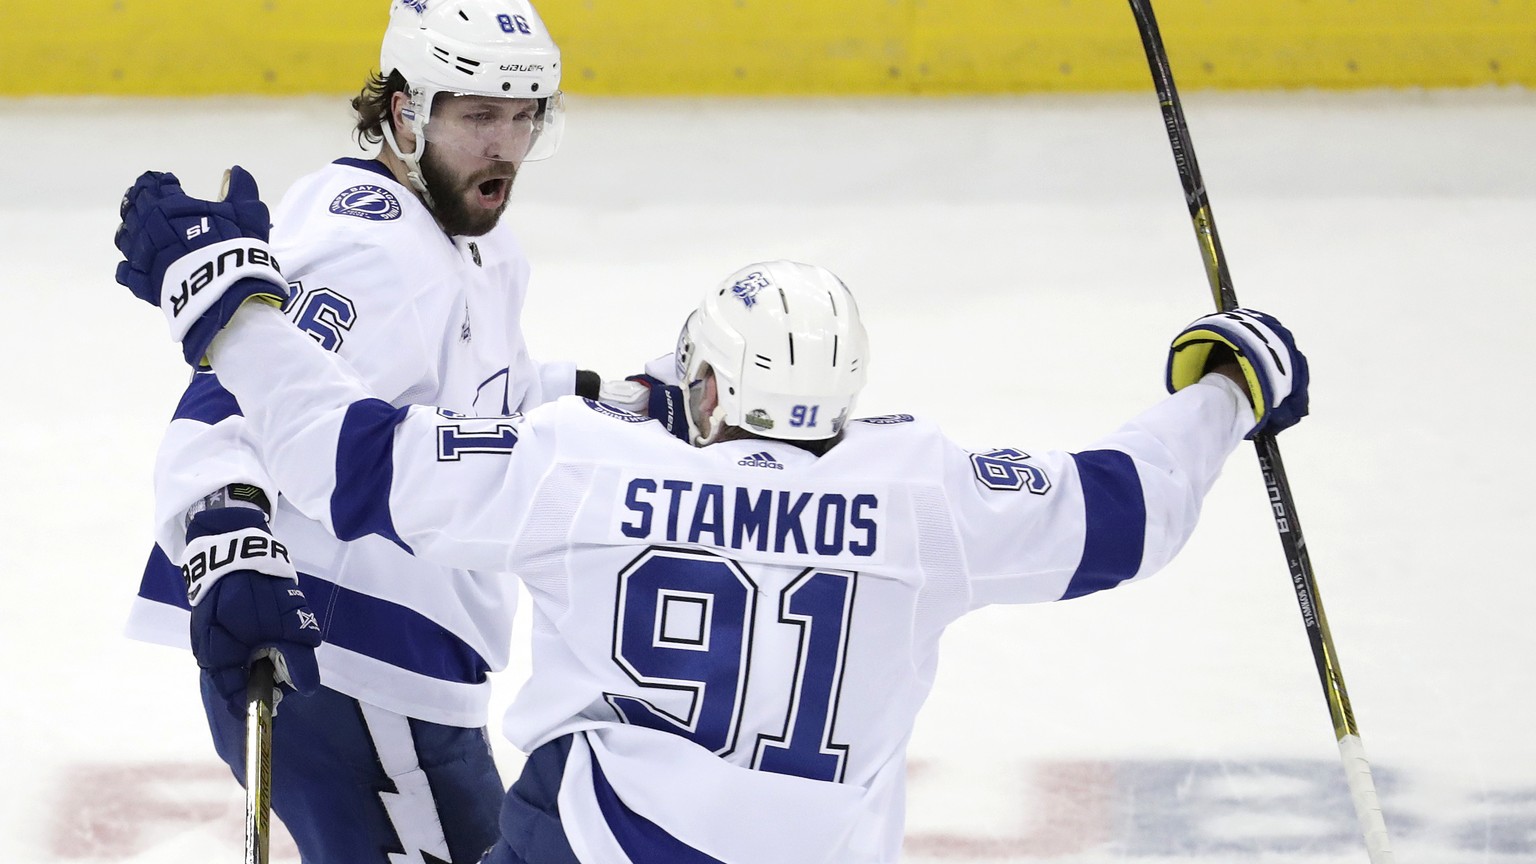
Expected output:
(886, 419)
(615, 413)
(374, 203)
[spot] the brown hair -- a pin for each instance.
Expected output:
(372, 105)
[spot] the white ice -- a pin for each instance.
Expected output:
(1021, 263)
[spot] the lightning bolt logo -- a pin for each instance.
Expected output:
(374, 203)
(410, 807)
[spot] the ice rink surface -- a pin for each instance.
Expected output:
(1021, 264)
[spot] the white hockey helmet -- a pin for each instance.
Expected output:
(498, 48)
(787, 349)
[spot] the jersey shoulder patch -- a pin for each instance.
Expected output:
(367, 201)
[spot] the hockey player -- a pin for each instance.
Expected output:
(731, 640)
(401, 265)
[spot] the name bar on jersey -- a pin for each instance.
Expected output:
(818, 524)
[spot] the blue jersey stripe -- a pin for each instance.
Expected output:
(1116, 515)
(365, 471)
(206, 400)
(641, 839)
(395, 634)
(358, 622)
(162, 581)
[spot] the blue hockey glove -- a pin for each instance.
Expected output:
(1275, 369)
(197, 260)
(664, 403)
(246, 604)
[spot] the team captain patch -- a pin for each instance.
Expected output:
(374, 203)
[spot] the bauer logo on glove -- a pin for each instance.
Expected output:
(234, 258)
(211, 557)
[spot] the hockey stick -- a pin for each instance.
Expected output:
(1357, 769)
(258, 761)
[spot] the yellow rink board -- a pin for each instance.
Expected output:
(752, 47)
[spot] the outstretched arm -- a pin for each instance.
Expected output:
(1126, 505)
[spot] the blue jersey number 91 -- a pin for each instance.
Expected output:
(684, 622)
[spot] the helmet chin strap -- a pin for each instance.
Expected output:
(697, 417)
(716, 424)
(412, 160)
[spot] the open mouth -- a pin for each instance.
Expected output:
(493, 192)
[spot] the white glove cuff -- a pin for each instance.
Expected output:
(209, 559)
(195, 281)
(632, 396)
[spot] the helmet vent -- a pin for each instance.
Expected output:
(764, 362)
(791, 349)
(462, 64)
(834, 346)
(833, 300)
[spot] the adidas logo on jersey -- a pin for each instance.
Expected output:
(761, 460)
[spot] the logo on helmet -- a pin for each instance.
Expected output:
(840, 421)
(374, 203)
(747, 287)
(418, 6)
(757, 418)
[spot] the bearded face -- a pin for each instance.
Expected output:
(475, 145)
(467, 203)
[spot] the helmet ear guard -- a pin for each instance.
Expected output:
(787, 350)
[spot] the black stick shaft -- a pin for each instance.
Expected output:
(1287, 523)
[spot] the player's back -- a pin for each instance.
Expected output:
(776, 609)
(731, 642)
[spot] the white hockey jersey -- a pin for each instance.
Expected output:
(423, 319)
(739, 637)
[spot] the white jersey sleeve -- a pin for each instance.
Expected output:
(1056, 525)
(206, 447)
(322, 428)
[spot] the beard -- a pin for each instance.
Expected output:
(451, 198)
